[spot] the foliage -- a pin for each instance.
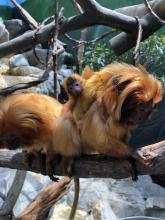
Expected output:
(152, 53)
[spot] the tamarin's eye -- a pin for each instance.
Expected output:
(77, 84)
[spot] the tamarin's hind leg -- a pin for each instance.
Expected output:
(50, 165)
(37, 157)
(130, 165)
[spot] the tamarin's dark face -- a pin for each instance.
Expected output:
(74, 87)
(137, 112)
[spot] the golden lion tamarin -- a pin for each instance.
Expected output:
(34, 122)
(113, 101)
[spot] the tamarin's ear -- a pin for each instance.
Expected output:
(87, 73)
(119, 87)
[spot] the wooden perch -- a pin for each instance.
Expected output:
(39, 208)
(104, 16)
(150, 160)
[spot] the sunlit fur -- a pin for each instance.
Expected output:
(113, 91)
(33, 122)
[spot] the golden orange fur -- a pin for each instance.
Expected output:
(110, 105)
(34, 122)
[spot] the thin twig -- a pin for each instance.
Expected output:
(136, 51)
(77, 6)
(34, 44)
(161, 21)
(83, 34)
(91, 41)
(57, 47)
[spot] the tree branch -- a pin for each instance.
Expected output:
(40, 206)
(153, 13)
(29, 19)
(150, 160)
(12, 196)
(125, 41)
(88, 18)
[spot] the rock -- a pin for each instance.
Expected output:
(4, 61)
(41, 54)
(91, 190)
(64, 58)
(126, 204)
(64, 71)
(6, 81)
(103, 211)
(155, 206)
(15, 27)
(4, 69)
(26, 71)
(149, 189)
(62, 212)
(4, 34)
(18, 61)
(47, 87)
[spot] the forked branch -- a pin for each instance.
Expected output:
(94, 14)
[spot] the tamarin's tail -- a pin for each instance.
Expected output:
(76, 198)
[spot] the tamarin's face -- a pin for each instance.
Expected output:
(74, 86)
(133, 97)
(136, 113)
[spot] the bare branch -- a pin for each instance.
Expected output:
(88, 166)
(161, 21)
(40, 206)
(13, 193)
(104, 16)
(29, 19)
(120, 43)
(124, 41)
(2, 196)
(79, 42)
(137, 47)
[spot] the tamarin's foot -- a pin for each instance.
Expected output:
(50, 171)
(130, 165)
(29, 157)
(50, 164)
